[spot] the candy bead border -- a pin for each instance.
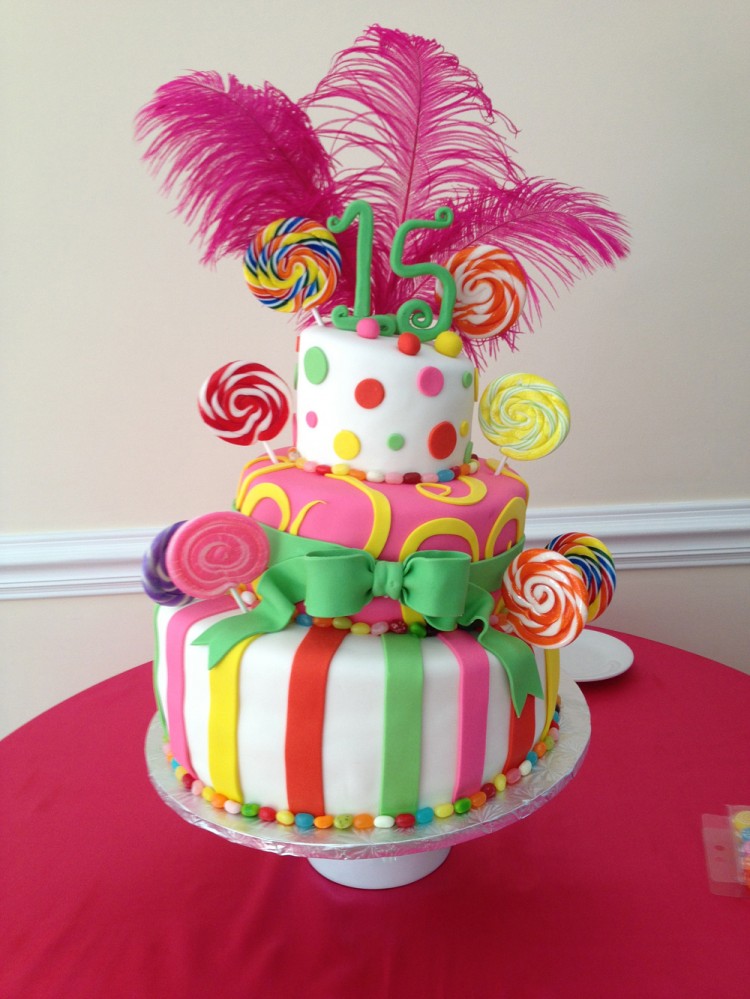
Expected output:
(364, 822)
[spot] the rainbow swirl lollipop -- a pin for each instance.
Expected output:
(544, 598)
(293, 264)
(594, 561)
(524, 415)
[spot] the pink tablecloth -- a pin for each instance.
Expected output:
(603, 892)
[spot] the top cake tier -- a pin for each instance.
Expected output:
(368, 404)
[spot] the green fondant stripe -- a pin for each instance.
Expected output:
(157, 659)
(402, 736)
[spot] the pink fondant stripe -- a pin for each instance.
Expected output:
(177, 630)
(473, 702)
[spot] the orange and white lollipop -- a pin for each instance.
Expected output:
(490, 290)
(545, 599)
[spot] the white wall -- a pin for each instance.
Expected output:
(110, 324)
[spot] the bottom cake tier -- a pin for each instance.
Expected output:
(322, 723)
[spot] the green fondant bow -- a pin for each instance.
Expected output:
(445, 587)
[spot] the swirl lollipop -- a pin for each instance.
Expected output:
(545, 599)
(215, 553)
(154, 575)
(490, 290)
(524, 415)
(594, 561)
(244, 403)
(293, 264)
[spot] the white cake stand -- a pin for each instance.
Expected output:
(386, 858)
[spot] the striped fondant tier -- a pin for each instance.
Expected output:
(323, 721)
(481, 514)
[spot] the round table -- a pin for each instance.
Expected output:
(602, 892)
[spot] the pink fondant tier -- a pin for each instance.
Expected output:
(482, 514)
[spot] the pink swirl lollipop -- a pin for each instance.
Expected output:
(217, 552)
(545, 599)
(490, 290)
(243, 403)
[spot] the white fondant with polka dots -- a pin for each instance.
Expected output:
(367, 404)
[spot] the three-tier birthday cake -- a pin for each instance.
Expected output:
(363, 640)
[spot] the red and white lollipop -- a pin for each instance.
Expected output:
(545, 599)
(490, 290)
(216, 553)
(245, 403)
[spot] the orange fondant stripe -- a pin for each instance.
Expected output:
(521, 735)
(305, 718)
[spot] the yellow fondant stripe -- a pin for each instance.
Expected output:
(514, 510)
(223, 764)
(552, 674)
(443, 525)
(381, 514)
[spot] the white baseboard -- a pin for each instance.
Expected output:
(641, 536)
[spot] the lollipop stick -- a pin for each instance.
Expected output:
(317, 317)
(501, 465)
(238, 600)
(270, 452)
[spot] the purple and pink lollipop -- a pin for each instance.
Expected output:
(154, 574)
(216, 553)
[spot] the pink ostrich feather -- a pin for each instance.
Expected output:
(238, 158)
(424, 124)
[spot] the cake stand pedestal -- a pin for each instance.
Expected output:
(386, 858)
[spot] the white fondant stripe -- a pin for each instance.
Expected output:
(640, 536)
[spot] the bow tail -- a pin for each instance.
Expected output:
(280, 589)
(513, 654)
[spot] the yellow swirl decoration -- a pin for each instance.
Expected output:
(514, 510)
(269, 491)
(442, 492)
(381, 514)
(244, 483)
(297, 523)
(435, 528)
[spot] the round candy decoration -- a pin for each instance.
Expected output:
(244, 403)
(524, 415)
(293, 264)
(490, 290)
(545, 599)
(215, 553)
(594, 561)
(154, 574)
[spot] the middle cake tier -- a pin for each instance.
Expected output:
(480, 514)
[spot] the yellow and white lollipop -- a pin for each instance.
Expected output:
(524, 415)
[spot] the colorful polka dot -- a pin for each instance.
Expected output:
(369, 393)
(464, 428)
(396, 442)
(346, 445)
(311, 419)
(442, 440)
(430, 381)
(467, 379)
(315, 363)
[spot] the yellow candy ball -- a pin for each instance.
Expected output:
(448, 343)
